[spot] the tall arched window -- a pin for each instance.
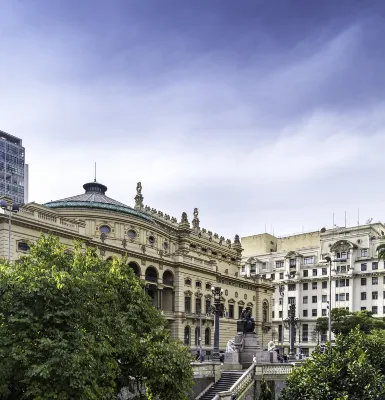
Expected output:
(207, 336)
(197, 335)
(265, 311)
(187, 335)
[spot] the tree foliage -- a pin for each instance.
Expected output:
(266, 393)
(343, 321)
(353, 369)
(74, 326)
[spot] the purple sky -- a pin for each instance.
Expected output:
(256, 112)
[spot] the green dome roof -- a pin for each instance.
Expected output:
(95, 197)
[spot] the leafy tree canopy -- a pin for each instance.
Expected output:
(74, 326)
(343, 321)
(353, 369)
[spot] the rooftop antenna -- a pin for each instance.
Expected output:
(358, 219)
(345, 219)
(95, 172)
(333, 221)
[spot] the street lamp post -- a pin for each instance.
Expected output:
(218, 310)
(329, 260)
(291, 322)
(12, 209)
(282, 294)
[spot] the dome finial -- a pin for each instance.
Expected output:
(95, 172)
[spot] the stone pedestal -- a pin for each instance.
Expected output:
(247, 346)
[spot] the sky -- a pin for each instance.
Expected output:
(266, 115)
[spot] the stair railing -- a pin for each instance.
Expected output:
(244, 381)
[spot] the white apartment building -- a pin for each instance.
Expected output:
(297, 264)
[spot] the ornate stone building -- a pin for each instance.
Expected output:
(177, 262)
(298, 268)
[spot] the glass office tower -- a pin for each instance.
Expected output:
(13, 170)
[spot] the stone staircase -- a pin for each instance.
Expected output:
(227, 380)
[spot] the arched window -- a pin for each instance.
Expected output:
(197, 335)
(187, 335)
(265, 311)
(187, 282)
(168, 278)
(207, 336)
(151, 274)
(135, 267)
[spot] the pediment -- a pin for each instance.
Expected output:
(293, 254)
(343, 245)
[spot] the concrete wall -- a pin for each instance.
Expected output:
(258, 244)
(205, 374)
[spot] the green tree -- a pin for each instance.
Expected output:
(343, 321)
(353, 369)
(265, 391)
(74, 326)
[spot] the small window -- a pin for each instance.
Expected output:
(23, 246)
(374, 266)
(363, 281)
(364, 267)
(375, 310)
(231, 310)
(292, 263)
(305, 273)
(374, 280)
(279, 264)
(280, 301)
(305, 286)
(324, 271)
(314, 312)
(131, 234)
(304, 299)
(281, 275)
(324, 285)
(187, 282)
(363, 295)
(165, 245)
(308, 260)
(314, 285)
(305, 313)
(374, 295)
(198, 284)
(151, 240)
(364, 252)
(280, 314)
(272, 277)
(208, 286)
(291, 286)
(291, 300)
(105, 229)
(324, 312)
(324, 298)
(314, 272)
(363, 308)
(314, 299)
(342, 296)
(187, 304)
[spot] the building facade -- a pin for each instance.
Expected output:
(13, 169)
(301, 267)
(178, 262)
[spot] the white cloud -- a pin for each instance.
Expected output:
(197, 139)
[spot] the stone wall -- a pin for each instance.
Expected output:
(205, 374)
